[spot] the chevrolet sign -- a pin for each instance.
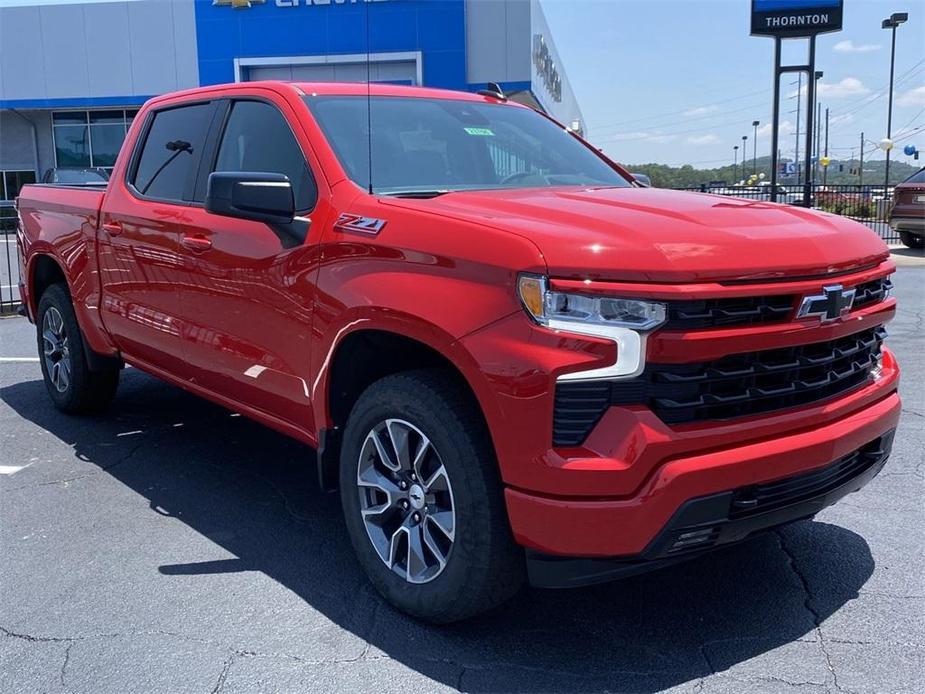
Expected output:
(795, 18)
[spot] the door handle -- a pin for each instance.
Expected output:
(196, 243)
(112, 228)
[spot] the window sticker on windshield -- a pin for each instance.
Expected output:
(481, 132)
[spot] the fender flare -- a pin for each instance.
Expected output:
(401, 324)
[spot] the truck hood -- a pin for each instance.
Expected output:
(655, 235)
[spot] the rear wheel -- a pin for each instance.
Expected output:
(912, 240)
(72, 386)
(423, 501)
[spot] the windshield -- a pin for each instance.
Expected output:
(435, 145)
(917, 177)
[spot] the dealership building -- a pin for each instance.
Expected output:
(73, 73)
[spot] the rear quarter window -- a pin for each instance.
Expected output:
(170, 154)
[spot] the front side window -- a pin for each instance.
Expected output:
(171, 151)
(258, 139)
(421, 145)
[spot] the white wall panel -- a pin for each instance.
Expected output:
(61, 50)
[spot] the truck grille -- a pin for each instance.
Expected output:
(742, 311)
(714, 313)
(871, 292)
(734, 386)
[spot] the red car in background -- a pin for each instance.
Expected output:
(908, 213)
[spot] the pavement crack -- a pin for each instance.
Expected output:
(66, 480)
(706, 658)
(808, 604)
(67, 659)
(223, 675)
(35, 639)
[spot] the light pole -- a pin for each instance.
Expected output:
(891, 23)
(817, 76)
(735, 163)
(755, 148)
(744, 154)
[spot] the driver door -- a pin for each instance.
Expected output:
(249, 286)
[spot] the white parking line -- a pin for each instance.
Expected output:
(19, 360)
(12, 469)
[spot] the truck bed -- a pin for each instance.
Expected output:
(61, 221)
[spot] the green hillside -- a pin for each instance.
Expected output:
(840, 172)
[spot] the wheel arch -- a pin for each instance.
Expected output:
(44, 270)
(366, 353)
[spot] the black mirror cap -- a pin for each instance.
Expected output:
(258, 196)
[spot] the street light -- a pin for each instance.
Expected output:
(755, 148)
(818, 112)
(735, 164)
(744, 151)
(891, 23)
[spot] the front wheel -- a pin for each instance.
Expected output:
(73, 387)
(912, 240)
(423, 501)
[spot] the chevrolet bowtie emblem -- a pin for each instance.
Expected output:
(239, 4)
(834, 302)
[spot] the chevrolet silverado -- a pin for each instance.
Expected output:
(514, 362)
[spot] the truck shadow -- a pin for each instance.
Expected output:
(252, 492)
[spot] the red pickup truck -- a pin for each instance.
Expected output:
(513, 361)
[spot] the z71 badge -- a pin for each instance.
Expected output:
(356, 223)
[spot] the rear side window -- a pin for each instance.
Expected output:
(258, 139)
(171, 151)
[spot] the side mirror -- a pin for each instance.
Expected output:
(642, 180)
(261, 197)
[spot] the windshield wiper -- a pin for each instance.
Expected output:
(420, 194)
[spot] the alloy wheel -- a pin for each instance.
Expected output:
(406, 500)
(56, 350)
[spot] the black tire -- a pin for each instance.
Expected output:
(912, 240)
(483, 567)
(86, 391)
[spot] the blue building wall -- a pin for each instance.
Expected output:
(437, 28)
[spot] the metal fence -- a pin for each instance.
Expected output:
(869, 205)
(9, 262)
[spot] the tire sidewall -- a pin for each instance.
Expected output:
(911, 240)
(468, 555)
(56, 297)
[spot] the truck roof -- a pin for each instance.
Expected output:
(328, 88)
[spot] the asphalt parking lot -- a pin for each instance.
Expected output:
(171, 547)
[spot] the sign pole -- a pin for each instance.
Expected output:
(795, 19)
(775, 120)
(811, 103)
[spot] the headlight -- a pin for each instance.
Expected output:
(625, 321)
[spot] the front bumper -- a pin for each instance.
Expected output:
(711, 521)
(626, 526)
(914, 225)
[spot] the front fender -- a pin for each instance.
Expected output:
(406, 325)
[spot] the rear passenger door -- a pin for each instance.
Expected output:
(250, 297)
(139, 251)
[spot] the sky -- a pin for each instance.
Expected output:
(681, 81)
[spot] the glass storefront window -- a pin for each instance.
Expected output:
(12, 181)
(90, 138)
(72, 145)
